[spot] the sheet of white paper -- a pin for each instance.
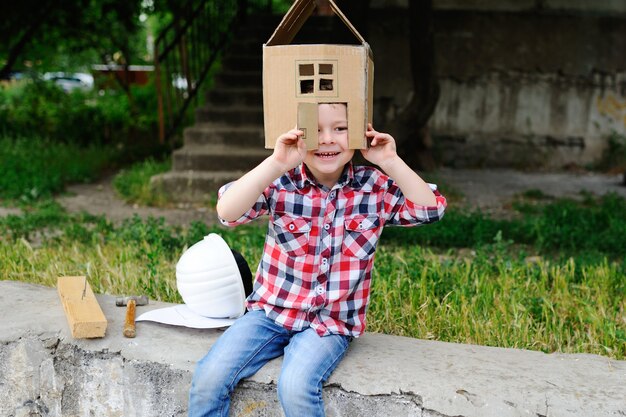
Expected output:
(181, 315)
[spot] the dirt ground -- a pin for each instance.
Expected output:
(101, 199)
(488, 190)
(492, 190)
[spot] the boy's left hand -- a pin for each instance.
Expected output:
(382, 150)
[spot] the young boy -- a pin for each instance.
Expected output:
(312, 285)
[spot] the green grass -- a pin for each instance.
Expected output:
(496, 299)
(499, 293)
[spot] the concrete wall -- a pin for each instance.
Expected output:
(44, 372)
(518, 87)
(528, 120)
(49, 377)
(596, 6)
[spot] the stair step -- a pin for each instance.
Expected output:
(236, 115)
(240, 78)
(193, 186)
(218, 158)
(259, 27)
(227, 138)
(214, 134)
(247, 46)
(247, 96)
(242, 62)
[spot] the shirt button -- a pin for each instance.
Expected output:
(320, 289)
(324, 264)
(332, 194)
(292, 226)
(327, 226)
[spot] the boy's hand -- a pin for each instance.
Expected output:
(382, 150)
(290, 150)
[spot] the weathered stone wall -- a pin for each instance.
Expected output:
(45, 372)
(528, 120)
(521, 85)
(47, 377)
(596, 6)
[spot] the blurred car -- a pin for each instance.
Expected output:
(70, 81)
(12, 78)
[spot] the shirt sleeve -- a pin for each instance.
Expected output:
(403, 212)
(259, 208)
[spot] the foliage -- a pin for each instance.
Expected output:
(133, 184)
(596, 225)
(34, 34)
(494, 296)
(280, 6)
(614, 156)
(564, 225)
(36, 218)
(41, 108)
(33, 167)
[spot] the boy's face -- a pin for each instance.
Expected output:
(326, 163)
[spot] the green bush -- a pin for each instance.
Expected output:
(33, 167)
(41, 108)
(614, 156)
(39, 216)
(133, 183)
(596, 225)
(459, 229)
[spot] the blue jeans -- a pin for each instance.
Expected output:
(251, 342)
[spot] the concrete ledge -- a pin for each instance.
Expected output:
(43, 371)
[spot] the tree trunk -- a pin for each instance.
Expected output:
(413, 138)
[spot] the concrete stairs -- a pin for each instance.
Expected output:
(227, 138)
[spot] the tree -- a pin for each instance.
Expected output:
(35, 30)
(411, 124)
(24, 24)
(414, 140)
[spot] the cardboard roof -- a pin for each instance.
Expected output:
(298, 13)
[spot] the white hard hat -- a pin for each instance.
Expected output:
(209, 279)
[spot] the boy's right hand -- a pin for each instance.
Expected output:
(290, 150)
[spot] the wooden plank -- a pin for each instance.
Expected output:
(84, 315)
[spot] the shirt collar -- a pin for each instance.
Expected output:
(302, 177)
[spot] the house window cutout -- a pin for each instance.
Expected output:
(316, 78)
(325, 69)
(307, 86)
(326, 85)
(306, 70)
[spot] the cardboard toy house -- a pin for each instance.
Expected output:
(300, 76)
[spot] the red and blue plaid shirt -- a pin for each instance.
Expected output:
(319, 249)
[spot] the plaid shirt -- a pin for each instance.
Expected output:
(319, 249)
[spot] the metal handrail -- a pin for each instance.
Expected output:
(187, 48)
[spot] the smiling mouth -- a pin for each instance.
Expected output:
(326, 155)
